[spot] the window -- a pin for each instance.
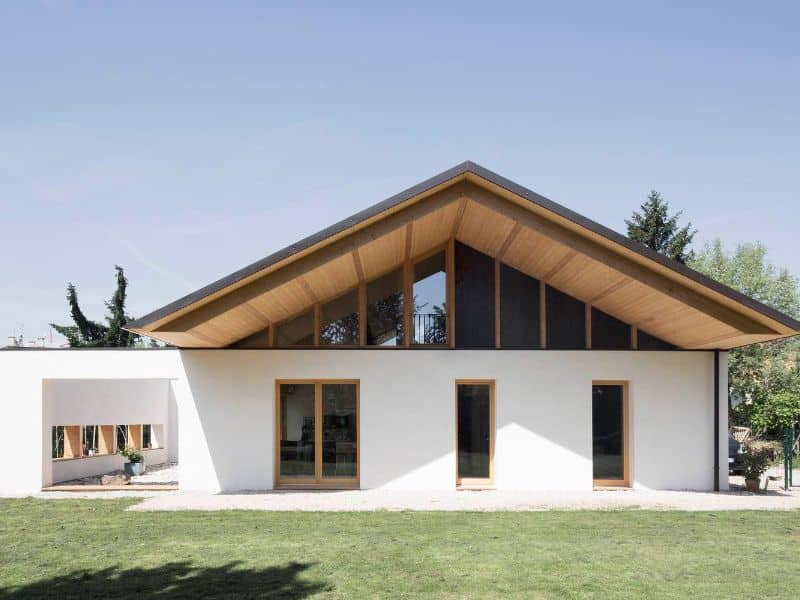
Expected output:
(57, 443)
(91, 440)
(65, 441)
(147, 437)
(474, 433)
(429, 314)
(339, 321)
(385, 310)
(318, 433)
(610, 433)
(122, 437)
(298, 331)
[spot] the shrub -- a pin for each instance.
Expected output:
(132, 454)
(756, 460)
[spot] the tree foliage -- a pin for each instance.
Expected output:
(87, 333)
(654, 227)
(765, 377)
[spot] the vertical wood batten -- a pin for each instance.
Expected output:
(588, 325)
(408, 301)
(450, 278)
(362, 313)
(542, 314)
(497, 325)
(317, 317)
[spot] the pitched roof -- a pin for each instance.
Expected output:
(775, 324)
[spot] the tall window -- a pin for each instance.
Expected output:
(122, 437)
(339, 321)
(57, 441)
(610, 433)
(474, 432)
(429, 314)
(298, 331)
(147, 436)
(385, 310)
(318, 433)
(91, 440)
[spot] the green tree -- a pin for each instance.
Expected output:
(86, 332)
(764, 376)
(654, 227)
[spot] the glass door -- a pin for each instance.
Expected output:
(474, 433)
(317, 433)
(610, 433)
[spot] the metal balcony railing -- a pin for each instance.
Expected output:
(429, 328)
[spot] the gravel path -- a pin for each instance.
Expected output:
(492, 500)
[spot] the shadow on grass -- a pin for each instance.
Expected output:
(175, 580)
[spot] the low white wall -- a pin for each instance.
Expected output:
(224, 400)
(75, 468)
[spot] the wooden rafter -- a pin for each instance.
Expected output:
(509, 240)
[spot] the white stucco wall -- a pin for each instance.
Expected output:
(225, 407)
(103, 402)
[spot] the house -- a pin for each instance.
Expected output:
(465, 333)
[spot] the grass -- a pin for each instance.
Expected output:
(93, 548)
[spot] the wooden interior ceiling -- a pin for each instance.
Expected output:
(521, 234)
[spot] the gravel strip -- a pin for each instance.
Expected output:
(490, 500)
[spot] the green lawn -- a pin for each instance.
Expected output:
(92, 548)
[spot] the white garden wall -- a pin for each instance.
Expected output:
(225, 412)
(104, 402)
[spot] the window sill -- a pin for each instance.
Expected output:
(67, 458)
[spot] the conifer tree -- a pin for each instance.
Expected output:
(654, 227)
(87, 333)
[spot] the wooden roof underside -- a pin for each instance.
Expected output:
(616, 279)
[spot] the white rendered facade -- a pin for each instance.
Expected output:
(223, 402)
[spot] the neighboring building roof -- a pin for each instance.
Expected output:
(493, 203)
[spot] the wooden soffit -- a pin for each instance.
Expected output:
(498, 218)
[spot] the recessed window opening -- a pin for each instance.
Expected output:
(385, 310)
(339, 321)
(429, 314)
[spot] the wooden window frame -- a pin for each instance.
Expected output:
(467, 483)
(626, 436)
(407, 271)
(317, 481)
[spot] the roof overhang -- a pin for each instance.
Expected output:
(498, 217)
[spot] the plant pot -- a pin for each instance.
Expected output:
(134, 468)
(752, 485)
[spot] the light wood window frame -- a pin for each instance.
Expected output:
(407, 270)
(317, 481)
(477, 482)
(626, 436)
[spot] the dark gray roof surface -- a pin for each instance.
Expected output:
(457, 171)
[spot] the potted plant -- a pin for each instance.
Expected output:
(756, 461)
(135, 466)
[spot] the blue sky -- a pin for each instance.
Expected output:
(185, 140)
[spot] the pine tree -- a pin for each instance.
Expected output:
(654, 227)
(86, 332)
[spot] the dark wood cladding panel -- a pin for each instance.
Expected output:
(519, 309)
(566, 321)
(474, 291)
(651, 342)
(609, 333)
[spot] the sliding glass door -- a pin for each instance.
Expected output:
(474, 433)
(610, 433)
(317, 433)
